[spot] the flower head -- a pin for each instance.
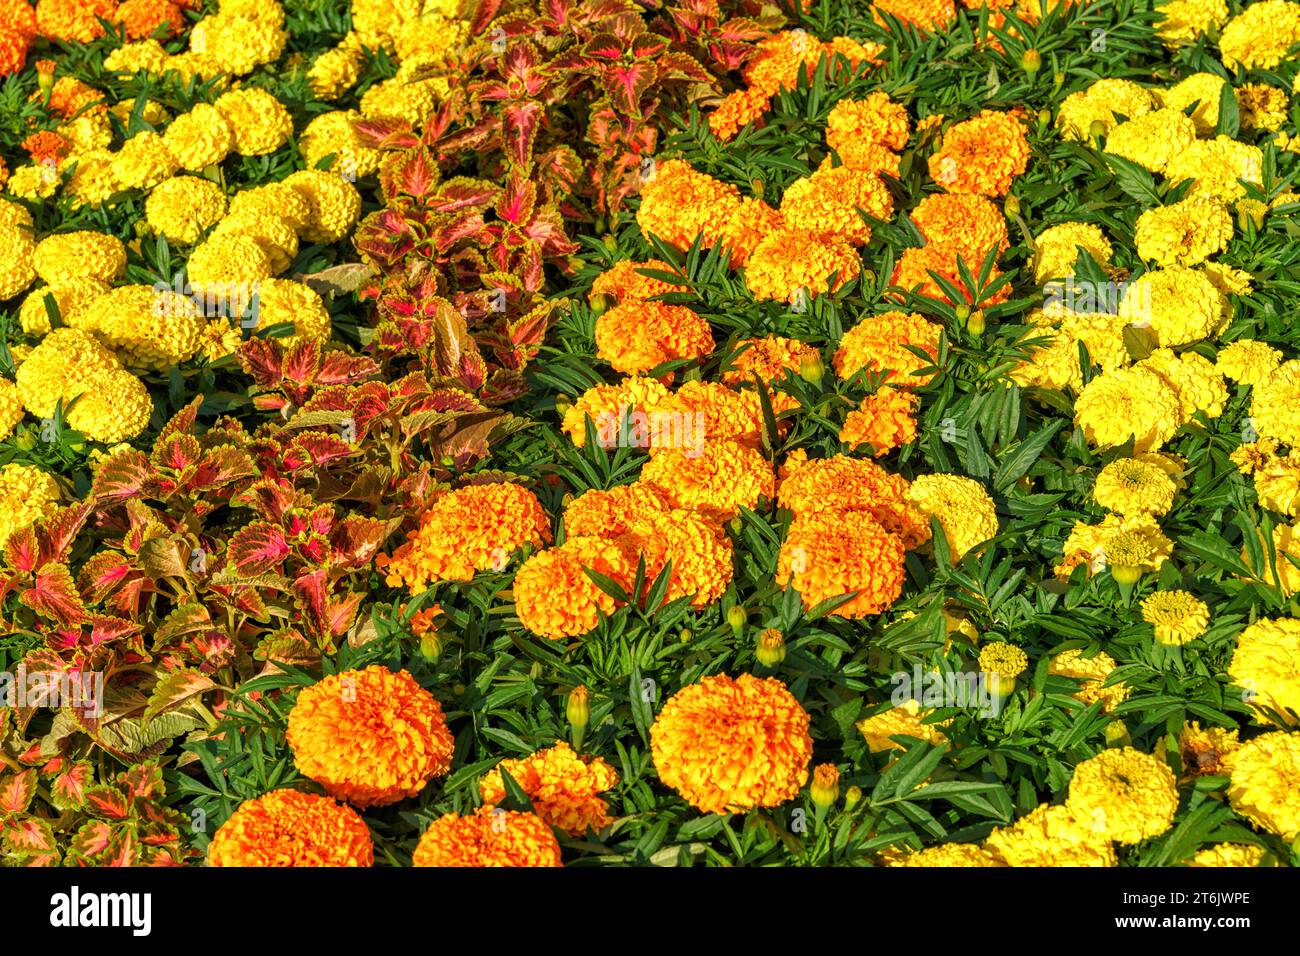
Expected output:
(289, 828)
(488, 837)
(563, 787)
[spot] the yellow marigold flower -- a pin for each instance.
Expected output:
(1128, 403)
(841, 484)
(239, 44)
(1216, 167)
(1261, 35)
(34, 181)
(968, 224)
(465, 531)
(1131, 486)
(1057, 249)
(202, 137)
(1267, 664)
(12, 214)
(1056, 365)
(143, 161)
(1264, 777)
(220, 338)
(1232, 854)
(885, 421)
(92, 182)
(1092, 671)
(1262, 106)
(1252, 456)
(555, 598)
(1153, 138)
(488, 837)
(624, 281)
(288, 828)
(335, 204)
(639, 336)
(1102, 103)
(1050, 836)
(231, 264)
(963, 508)
(276, 237)
(729, 745)
(259, 122)
(403, 98)
(678, 204)
(336, 71)
(371, 737)
(273, 199)
(333, 134)
(67, 256)
(564, 788)
(143, 56)
(606, 404)
(769, 358)
(883, 343)
(943, 855)
(701, 554)
(1247, 361)
(1183, 21)
(1203, 89)
(69, 298)
(1003, 663)
(27, 495)
(873, 119)
(608, 514)
(1184, 233)
(1202, 750)
(790, 266)
(1275, 404)
(181, 209)
(11, 408)
(982, 155)
(715, 480)
(825, 205)
(902, 720)
(1277, 484)
(281, 301)
(1193, 378)
(146, 327)
(17, 251)
(1177, 616)
(827, 555)
(1124, 794)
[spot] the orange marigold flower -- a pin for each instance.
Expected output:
(826, 555)
(13, 51)
(841, 484)
(825, 205)
(70, 97)
(769, 358)
(778, 60)
(865, 156)
(966, 223)
(609, 513)
(17, 17)
(554, 596)
(915, 265)
(732, 744)
(700, 553)
(874, 119)
(927, 14)
(73, 19)
(624, 281)
(883, 343)
(638, 336)
(466, 531)
(706, 411)
(737, 110)
(564, 787)
(750, 223)
(678, 204)
(488, 837)
(789, 265)
(47, 145)
(885, 421)
(716, 480)
(982, 155)
(608, 406)
(142, 17)
(289, 828)
(371, 737)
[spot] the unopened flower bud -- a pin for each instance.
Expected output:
(771, 648)
(1031, 61)
(430, 646)
(975, 323)
(852, 797)
(812, 368)
(736, 618)
(578, 711)
(599, 302)
(1011, 206)
(825, 789)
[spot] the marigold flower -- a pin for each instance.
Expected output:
(769, 358)
(334, 202)
(827, 555)
(1266, 663)
(273, 199)
(11, 409)
(200, 138)
(371, 737)
(885, 421)
(1152, 139)
(564, 788)
(73, 20)
(678, 204)
(826, 204)
(790, 266)
(1005, 661)
(1264, 777)
(737, 110)
(729, 745)
(982, 155)
(488, 837)
(884, 343)
(142, 17)
(333, 134)
(27, 495)
(1102, 103)
(1183, 21)
(336, 70)
(1093, 672)
(1261, 36)
(146, 327)
(708, 411)
(554, 596)
(230, 264)
(943, 855)
(1261, 106)
(716, 479)
(1057, 249)
(259, 122)
(902, 720)
(1126, 795)
(1184, 233)
(182, 208)
(17, 251)
(69, 299)
(288, 828)
(700, 553)
(1216, 168)
(67, 256)
(624, 281)
(639, 336)
(968, 224)
(1277, 484)
(1050, 836)
(1131, 486)
(610, 513)
(465, 531)
(276, 237)
(1232, 854)
(926, 14)
(1128, 403)
(608, 406)
(873, 119)
(749, 224)
(841, 484)
(915, 265)
(961, 504)
(1202, 750)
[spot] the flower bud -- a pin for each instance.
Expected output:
(1097, 130)
(825, 789)
(430, 646)
(1125, 574)
(578, 711)
(736, 618)
(687, 635)
(975, 323)
(562, 404)
(45, 76)
(811, 368)
(771, 648)
(852, 797)
(962, 311)
(1011, 206)
(1031, 61)
(599, 302)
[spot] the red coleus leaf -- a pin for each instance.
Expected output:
(22, 552)
(54, 595)
(182, 422)
(107, 801)
(144, 780)
(68, 789)
(177, 452)
(626, 84)
(648, 46)
(123, 848)
(102, 574)
(32, 841)
(261, 359)
(483, 13)
(123, 475)
(258, 548)
(312, 590)
(357, 539)
(17, 791)
(302, 362)
(219, 467)
(519, 125)
(463, 193)
(316, 448)
(91, 841)
(518, 200)
(341, 613)
(57, 532)
(340, 368)
(385, 133)
(604, 46)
